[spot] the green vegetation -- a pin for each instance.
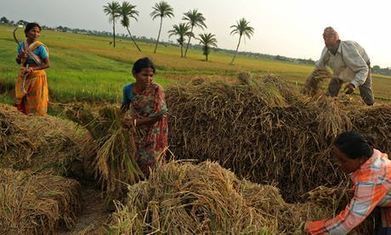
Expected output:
(112, 10)
(193, 18)
(242, 27)
(162, 10)
(181, 30)
(88, 68)
(207, 40)
(128, 11)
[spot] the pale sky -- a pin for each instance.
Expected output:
(291, 28)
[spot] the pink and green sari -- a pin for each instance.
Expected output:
(152, 140)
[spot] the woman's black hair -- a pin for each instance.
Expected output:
(142, 64)
(354, 145)
(29, 26)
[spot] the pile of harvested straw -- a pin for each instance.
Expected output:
(262, 130)
(189, 199)
(331, 117)
(115, 161)
(39, 143)
(314, 81)
(36, 203)
(375, 122)
(208, 199)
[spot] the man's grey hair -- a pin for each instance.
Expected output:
(330, 31)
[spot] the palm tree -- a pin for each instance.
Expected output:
(112, 10)
(194, 19)
(182, 30)
(207, 40)
(242, 27)
(161, 9)
(126, 12)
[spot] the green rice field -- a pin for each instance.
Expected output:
(88, 68)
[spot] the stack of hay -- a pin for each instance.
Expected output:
(314, 81)
(37, 200)
(375, 122)
(208, 199)
(39, 143)
(37, 203)
(115, 160)
(262, 130)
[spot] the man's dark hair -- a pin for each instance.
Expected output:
(354, 145)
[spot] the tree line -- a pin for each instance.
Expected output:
(184, 31)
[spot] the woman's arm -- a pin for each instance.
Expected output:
(44, 65)
(147, 121)
(160, 109)
(20, 56)
(141, 121)
(43, 54)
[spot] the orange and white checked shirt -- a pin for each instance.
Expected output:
(372, 188)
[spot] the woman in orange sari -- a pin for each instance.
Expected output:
(31, 88)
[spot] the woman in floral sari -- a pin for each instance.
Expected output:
(149, 114)
(31, 88)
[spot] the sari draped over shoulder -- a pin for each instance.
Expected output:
(151, 140)
(31, 91)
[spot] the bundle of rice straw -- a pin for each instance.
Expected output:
(335, 200)
(263, 131)
(330, 125)
(182, 198)
(189, 199)
(314, 81)
(375, 123)
(244, 78)
(39, 143)
(290, 217)
(115, 161)
(37, 203)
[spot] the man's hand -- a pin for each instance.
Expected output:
(349, 88)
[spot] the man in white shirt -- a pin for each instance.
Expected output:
(349, 62)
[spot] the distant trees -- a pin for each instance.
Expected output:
(207, 40)
(162, 10)
(385, 71)
(112, 10)
(241, 27)
(126, 12)
(4, 20)
(22, 22)
(182, 30)
(194, 19)
(62, 29)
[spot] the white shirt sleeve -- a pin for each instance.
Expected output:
(356, 63)
(321, 63)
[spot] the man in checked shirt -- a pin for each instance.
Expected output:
(370, 172)
(349, 62)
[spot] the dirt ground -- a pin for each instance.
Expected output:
(93, 215)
